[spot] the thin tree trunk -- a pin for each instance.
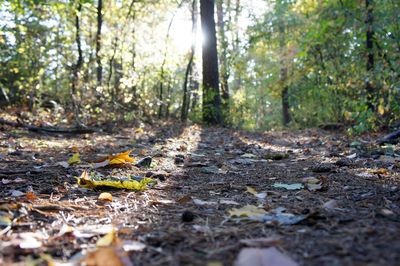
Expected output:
(283, 78)
(370, 53)
(224, 72)
(98, 42)
(236, 43)
(185, 101)
(78, 65)
(111, 64)
(211, 96)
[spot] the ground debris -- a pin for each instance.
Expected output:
(307, 199)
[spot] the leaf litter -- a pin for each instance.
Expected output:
(186, 217)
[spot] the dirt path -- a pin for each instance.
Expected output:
(346, 213)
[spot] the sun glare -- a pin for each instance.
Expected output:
(181, 33)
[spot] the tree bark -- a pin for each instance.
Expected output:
(370, 53)
(185, 100)
(223, 45)
(77, 67)
(211, 95)
(286, 118)
(99, 69)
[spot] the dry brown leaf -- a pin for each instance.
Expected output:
(185, 199)
(30, 195)
(107, 256)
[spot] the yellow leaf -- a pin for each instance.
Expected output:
(251, 191)
(248, 210)
(105, 196)
(75, 158)
(380, 171)
(108, 240)
(121, 158)
(139, 130)
(381, 109)
(86, 181)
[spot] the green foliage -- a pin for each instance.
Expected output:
(316, 49)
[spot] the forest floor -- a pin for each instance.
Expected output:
(318, 197)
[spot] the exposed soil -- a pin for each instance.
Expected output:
(202, 173)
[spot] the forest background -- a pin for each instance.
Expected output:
(280, 62)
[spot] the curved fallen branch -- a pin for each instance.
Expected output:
(50, 129)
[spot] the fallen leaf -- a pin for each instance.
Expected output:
(5, 219)
(260, 196)
(202, 202)
(247, 211)
(74, 149)
(31, 240)
(101, 164)
(294, 186)
(380, 171)
(331, 204)
(6, 181)
(248, 156)
(263, 257)
(75, 158)
(132, 245)
(312, 183)
(30, 195)
(386, 212)
(63, 164)
(30, 243)
(106, 256)
(251, 190)
(139, 130)
(65, 229)
(185, 199)
(109, 239)
(201, 228)
(17, 193)
(314, 187)
(280, 218)
(352, 156)
(87, 181)
(121, 158)
(105, 196)
(228, 202)
(311, 180)
(9, 181)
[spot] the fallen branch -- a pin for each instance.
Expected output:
(49, 129)
(390, 138)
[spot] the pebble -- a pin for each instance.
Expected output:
(187, 216)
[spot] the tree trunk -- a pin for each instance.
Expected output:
(211, 96)
(185, 100)
(98, 42)
(283, 77)
(370, 53)
(78, 65)
(224, 72)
